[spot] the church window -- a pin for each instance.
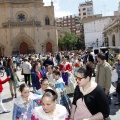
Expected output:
(47, 21)
(21, 17)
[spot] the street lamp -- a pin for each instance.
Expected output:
(97, 42)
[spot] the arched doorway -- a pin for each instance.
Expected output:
(23, 48)
(48, 47)
(113, 40)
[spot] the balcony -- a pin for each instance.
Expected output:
(17, 24)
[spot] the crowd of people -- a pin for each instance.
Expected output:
(53, 79)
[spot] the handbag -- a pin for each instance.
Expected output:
(16, 79)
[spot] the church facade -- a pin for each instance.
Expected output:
(27, 26)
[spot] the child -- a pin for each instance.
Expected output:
(63, 99)
(23, 105)
(49, 75)
(44, 85)
(2, 109)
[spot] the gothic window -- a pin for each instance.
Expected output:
(47, 21)
(21, 17)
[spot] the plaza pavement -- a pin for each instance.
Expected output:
(8, 102)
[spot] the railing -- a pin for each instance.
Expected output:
(27, 23)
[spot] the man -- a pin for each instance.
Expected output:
(58, 58)
(26, 67)
(103, 75)
(88, 57)
(48, 61)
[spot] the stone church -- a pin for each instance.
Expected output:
(27, 26)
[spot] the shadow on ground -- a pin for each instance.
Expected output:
(7, 100)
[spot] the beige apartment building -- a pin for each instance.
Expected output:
(86, 9)
(27, 26)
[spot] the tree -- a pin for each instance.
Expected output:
(80, 44)
(68, 41)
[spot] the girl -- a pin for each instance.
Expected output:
(49, 109)
(44, 85)
(2, 109)
(63, 98)
(36, 76)
(49, 75)
(23, 105)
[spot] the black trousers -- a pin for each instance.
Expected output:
(27, 79)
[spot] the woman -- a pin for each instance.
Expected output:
(68, 78)
(23, 105)
(49, 109)
(2, 109)
(90, 101)
(36, 76)
(10, 69)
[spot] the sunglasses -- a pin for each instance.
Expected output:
(79, 79)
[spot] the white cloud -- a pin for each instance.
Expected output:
(62, 13)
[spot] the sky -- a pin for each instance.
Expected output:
(70, 7)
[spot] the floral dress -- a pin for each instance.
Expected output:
(22, 109)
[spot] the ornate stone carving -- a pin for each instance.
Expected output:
(26, 23)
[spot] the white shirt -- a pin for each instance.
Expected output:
(26, 66)
(50, 78)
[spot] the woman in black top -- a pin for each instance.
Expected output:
(90, 101)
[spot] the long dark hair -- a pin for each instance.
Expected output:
(8, 62)
(34, 65)
(22, 86)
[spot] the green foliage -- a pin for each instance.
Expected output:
(68, 41)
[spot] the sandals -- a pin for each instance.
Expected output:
(7, 111)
